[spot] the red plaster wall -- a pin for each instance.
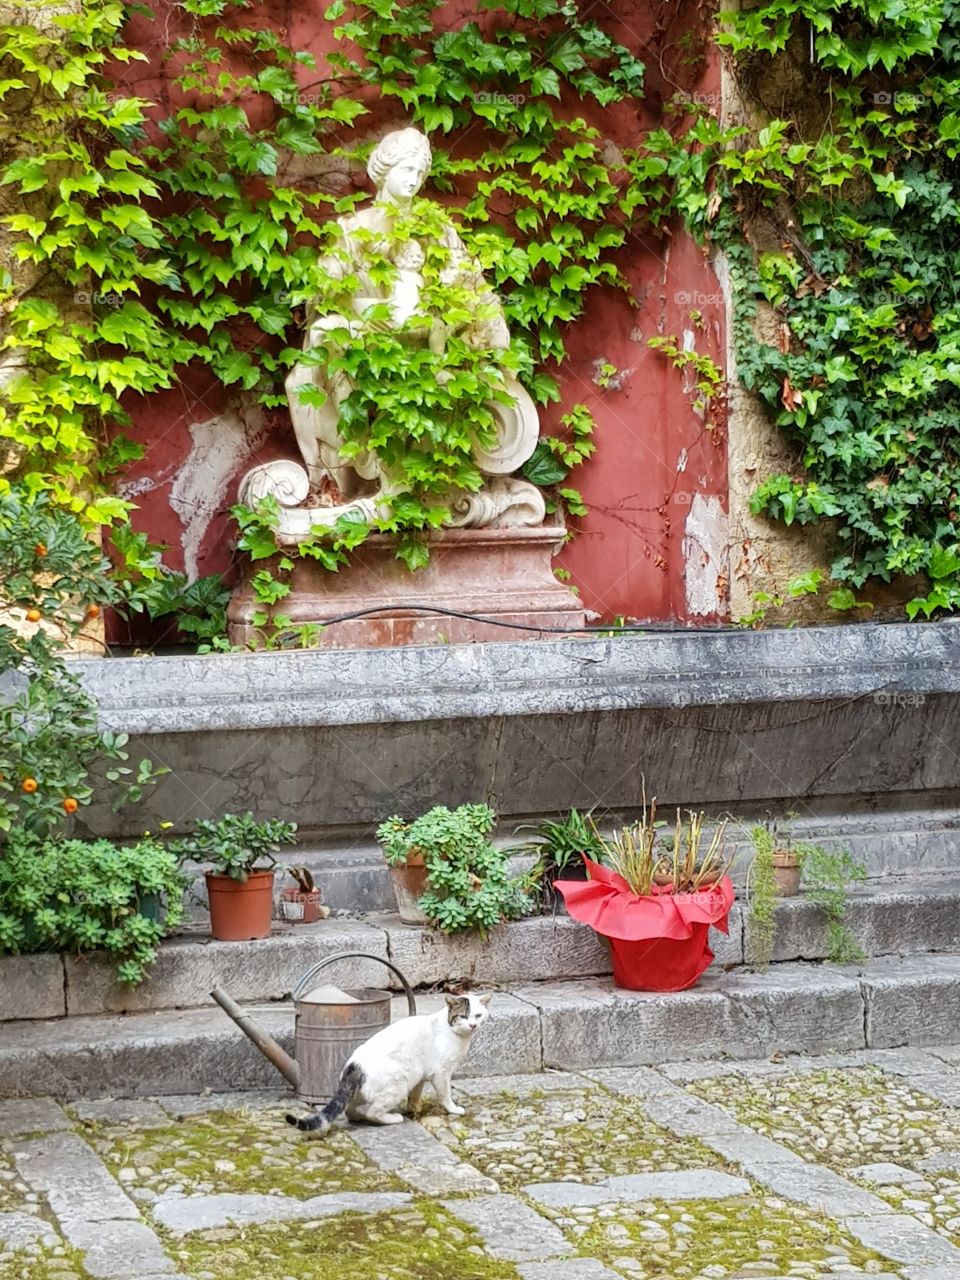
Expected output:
(653, 451)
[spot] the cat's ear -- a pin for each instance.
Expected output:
(485, 1000)
(453, 1002)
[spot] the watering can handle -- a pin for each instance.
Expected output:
(305, 978)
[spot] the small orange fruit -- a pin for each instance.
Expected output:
(29, 785)
(93, 611)
(40, 549)
(34, 615)
(70, 805)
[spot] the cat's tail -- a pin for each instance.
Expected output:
(351, 1081)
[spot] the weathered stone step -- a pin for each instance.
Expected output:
(791, 1008)
(912, 919)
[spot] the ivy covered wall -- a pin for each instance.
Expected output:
(653, 541)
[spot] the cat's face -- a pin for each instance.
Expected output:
(466, 1013)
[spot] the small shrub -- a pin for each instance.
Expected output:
(468, 883)
(236, 844)
(53, 580)
(79, 896)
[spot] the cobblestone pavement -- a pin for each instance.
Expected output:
(843, 1167)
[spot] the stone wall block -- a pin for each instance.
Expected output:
(185, 973)
(31, 987)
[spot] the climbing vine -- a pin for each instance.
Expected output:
(839, 219)
(198, 241)
(141, 250)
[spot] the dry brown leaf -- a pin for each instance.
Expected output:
(791, 397)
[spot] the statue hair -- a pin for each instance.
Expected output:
(402, 144)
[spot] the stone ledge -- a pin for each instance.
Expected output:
(912, 1002)
(680, 669)
(739, 1015)
(186, 1052)
(885, 921)
(912, 920)
(187, 968)
(796, 1008)
(186, 971)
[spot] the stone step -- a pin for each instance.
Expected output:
(915, 918)
(791, 1008)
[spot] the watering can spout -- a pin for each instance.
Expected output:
(264, 1042)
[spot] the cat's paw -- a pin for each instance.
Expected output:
(454, 1110)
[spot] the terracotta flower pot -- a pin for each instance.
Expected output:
(240, 910)
(409, 883)
(786, 873)
(299, 907)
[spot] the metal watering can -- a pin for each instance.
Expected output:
(325, 1034)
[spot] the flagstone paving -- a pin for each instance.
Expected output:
(881, 1132)
(804, 1170)
(580, 1132)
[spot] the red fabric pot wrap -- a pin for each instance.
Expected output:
(659, 942)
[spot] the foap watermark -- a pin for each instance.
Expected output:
(694, 298)
(85, 299)
(892, 698)
(98, 99)
(287, 98)
(905, 100)
(500, 99)
(889, 297)
(697, 99)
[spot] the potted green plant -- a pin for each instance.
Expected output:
(89, 895)
(561, 847)
(240, 891)
(654, 908)
(466, 880)
(773, 843)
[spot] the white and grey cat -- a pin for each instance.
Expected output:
(390, 1069)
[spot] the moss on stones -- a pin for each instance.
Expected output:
(245, 1151)
(423, 1242)
(696, 1240)
(41, 1263)
(841, 1118)
(587, 1135)
(12, 1190)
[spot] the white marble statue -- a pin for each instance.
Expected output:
(398, 168)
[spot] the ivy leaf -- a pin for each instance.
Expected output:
(274, 80)
(28, 171)
(545, 81)
(943, 563)
(543, 467)
(566, 57)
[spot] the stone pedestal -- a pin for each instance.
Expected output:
(501, 574)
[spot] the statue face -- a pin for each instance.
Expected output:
(405, 179)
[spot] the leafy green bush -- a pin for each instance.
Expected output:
(77, 895)
(468, 883)
(236, 843)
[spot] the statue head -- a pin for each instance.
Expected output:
(399, 164)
